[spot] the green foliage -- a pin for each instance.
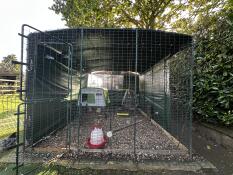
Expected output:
(213, 76)
(7, 65)
(175, 15)
(113, 13)
(189, 14)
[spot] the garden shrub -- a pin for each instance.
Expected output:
(213, 71)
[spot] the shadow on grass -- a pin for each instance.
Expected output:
(8, 126)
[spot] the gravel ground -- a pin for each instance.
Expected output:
(151, 141)
(148, 136)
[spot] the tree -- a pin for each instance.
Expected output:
(189, 15)
(8, 65)
(111, 13)
(176, 15)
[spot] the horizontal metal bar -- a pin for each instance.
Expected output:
(127, 126)
(17, 62)
(20, 34)
(20, 90)
(26, 25)
(20, 113)
(153, 103)
(51, 48)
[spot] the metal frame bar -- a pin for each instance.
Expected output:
(17, 138)
(79, 105)
(191, 99)
(135, 89)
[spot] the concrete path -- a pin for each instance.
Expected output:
(219, 156)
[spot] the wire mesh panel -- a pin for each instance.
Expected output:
(8, 107)
(166, 89)
(9, 101)
(46, 94)
(109, 93)
(108, 98)
(48, 84)
(179, 95)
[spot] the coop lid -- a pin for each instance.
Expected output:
(93, 91)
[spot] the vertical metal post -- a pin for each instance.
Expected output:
(168, 96)
(110, 111)
(33, 94)
(166, 109)
(18, 107)
(136, 62)
(71, 82)
(69, 101)
(17, 137)
(135, 89)
(191, 100)
(17, 141)
(24, 129)
(21, 67)
(80, 86)
(67, 110)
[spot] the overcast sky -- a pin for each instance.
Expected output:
(14, 13)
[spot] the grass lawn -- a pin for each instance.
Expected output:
(8, 121)
(8, 104)
(9, 125)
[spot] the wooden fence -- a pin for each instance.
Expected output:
(8, 86)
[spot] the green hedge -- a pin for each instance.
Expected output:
(213, 72)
